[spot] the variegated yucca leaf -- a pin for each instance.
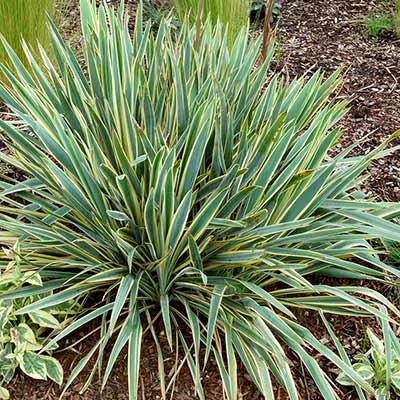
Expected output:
(165, 183)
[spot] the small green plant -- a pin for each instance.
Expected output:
(379, 366)
(378, 25)
(152, 13)
(184, 188)
(21, 336)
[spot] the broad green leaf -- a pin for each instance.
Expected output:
(54, 369)
(24, 338)
(33, 365)
(44, 319)
(365, 371)
(382, 393)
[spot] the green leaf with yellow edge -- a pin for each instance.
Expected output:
(33, 365)
(54, 369)
(44, 319)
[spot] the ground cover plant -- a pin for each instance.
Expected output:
(382, 23)
(379, 365)
(23, 336)
(182, 193)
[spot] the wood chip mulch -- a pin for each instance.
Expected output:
(328, 35)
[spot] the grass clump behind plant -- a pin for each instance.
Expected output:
(165, 187)
(24, 19)
(233, 14)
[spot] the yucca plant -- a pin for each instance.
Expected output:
(164, 186)
(233, 14)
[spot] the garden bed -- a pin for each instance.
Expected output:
(312, 34)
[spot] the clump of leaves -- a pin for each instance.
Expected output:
(152, 12)
(380, 365)
(166, 186)
(22, 337)
(18, 18)
(379, 24)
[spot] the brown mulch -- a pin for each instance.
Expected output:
(24, 387)
(350, 331)
(322, 34)
(313, 34)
